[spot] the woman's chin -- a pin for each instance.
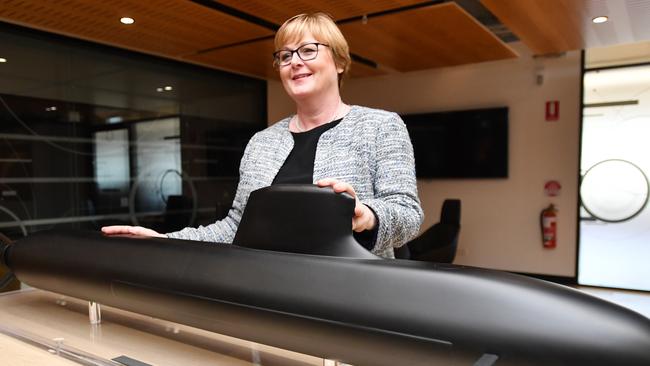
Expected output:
(301, 93)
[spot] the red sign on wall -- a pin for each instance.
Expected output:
(553, 110)
(552, 188)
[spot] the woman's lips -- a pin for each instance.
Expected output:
(300, 76)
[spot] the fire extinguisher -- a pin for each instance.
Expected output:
(548, 221)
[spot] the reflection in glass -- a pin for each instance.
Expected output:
(87, 141)
(112, 160)
(157, 152)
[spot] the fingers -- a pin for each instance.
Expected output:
(357, 225)
(116, 229)
(132, 230)
(337, 186)
(138, 230)
(326, 182)
(358, 209)
(365, 220)
(340, 187)
(361, 223)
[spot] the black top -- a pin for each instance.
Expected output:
(299, 169)
(299, 166)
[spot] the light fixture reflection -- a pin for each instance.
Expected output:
(600, 19)
(127, 20)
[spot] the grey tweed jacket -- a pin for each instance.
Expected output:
(369, 148)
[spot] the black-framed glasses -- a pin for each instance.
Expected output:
(306, 52)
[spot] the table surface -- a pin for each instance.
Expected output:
(44, 328)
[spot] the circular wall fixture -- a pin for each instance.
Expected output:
(614, 190)
(19, 222)
(160, 179)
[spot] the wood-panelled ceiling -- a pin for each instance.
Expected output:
(169, 28)
(459, 39)
(236, 35)
(255, 58)
(279, 11)
(554, 26)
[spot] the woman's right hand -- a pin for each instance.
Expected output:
(131, 230)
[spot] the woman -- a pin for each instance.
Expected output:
(364, 152)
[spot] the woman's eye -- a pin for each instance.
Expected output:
(285, 56)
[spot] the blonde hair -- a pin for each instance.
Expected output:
(323, 28)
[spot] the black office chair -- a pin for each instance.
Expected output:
(439, 242)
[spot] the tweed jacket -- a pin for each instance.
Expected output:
(369, 148)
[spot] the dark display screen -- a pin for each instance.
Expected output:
(460, 144)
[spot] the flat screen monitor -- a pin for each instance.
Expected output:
(460, 144)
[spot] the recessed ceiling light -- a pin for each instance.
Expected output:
(3, 60)
(50, 109)
(159, 90)
(600, 19)
(168, 88)
(127, 20)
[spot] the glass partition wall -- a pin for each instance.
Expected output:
(91, 135)
(615, 168)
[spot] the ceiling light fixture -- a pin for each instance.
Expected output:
(50, 109)
(600, 19)
(127, 20)
(2, 60)
(159, 90)
(168, 88)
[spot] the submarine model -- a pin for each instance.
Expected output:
(296, 279)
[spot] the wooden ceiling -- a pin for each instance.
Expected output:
(168, 28)
(255, 58)
(236, 35)
(279, 11)
(459, 39)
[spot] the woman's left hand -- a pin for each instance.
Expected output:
(364, 218)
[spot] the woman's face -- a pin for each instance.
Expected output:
(309, 79)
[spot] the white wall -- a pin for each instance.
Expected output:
(500, 217)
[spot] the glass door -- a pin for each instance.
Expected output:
(614, 246)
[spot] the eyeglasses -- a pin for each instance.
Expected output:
(306, 52)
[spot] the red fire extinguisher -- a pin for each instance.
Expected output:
(548, 221)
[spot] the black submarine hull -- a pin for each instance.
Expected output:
(359, 311)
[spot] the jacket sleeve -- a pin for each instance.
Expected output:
(223, 231)
(395, 202)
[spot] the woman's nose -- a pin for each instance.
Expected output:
(295, 59)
